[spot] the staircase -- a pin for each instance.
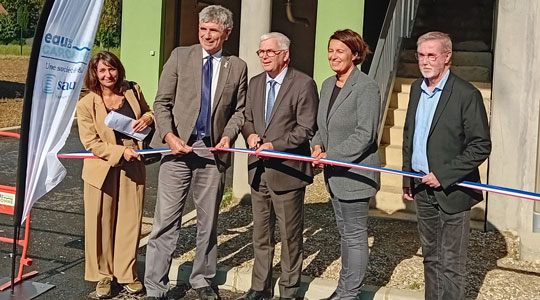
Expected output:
(469, 25)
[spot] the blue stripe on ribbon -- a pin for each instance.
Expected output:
(284, 155)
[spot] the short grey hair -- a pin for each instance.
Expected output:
(283, 41)
(217, 14)
(446, 42)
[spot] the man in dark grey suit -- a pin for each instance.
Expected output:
(281, 108)
(199, 103)
(446, 137)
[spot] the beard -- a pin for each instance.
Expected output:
(428, 73)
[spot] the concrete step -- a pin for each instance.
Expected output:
(394, 155)
(468, 43)
(454, 21)
(469, 73)
(391, 180)
(396, 116)
(459, 58)
(390, 201)
(392, 135)
(399, 100)
(402, 85)
(391, 155)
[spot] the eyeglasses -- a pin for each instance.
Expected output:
(270, 53)
(429, 57)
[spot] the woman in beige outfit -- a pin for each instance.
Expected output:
(114, 182)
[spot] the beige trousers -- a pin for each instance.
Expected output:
(113, 216)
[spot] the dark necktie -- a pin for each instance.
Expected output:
(203, 121)
(270, 99)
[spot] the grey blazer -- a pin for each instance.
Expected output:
(178, 99)
(292, 124)
(349, 133)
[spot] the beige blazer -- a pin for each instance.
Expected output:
(99, 138)
(178, 99)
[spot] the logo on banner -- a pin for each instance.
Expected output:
(48, 84)
(63, 48)
(66, 86)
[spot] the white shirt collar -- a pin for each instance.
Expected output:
(279, 78)
(216, 55)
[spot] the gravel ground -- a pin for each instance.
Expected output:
(12, 77)
(395, 255)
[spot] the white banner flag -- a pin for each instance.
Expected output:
(63, 58)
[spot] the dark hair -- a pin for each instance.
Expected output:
(91, 80)
(354, 41)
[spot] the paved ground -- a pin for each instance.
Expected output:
(395, 261)
(57, 227)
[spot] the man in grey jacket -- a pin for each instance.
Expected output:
(199, 103)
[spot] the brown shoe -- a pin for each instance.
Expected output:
(103, 288)
(134, 288)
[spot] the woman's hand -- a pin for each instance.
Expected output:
(142, 123)
(318, 154)
(131, 155)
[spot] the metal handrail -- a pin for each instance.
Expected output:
(398, 24)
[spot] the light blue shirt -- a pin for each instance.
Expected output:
(279, 81)
(424, 116)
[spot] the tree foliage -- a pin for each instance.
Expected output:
(108, 33)
(9, 29)
(110, 24)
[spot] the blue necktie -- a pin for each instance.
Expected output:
(203, 124)
(270, 99)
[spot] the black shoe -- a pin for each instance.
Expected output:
(206, 293)
(334, 296)
(256, 295)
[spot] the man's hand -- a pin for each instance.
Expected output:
(177, 145)
(131, 155)
(407, 194)
(318, 154)
(225, 142)
(431, 180)
(254, 141)
(265, 146)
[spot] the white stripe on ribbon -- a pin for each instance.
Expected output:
(277, 154)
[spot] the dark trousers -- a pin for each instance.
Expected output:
(287, 208)
(351, 219)
(444, 239)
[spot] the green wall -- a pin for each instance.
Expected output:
(142, 36)
(333, 15)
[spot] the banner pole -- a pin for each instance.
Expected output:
(25, 127)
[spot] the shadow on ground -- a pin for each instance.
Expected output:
(392, 242)
(10, 89)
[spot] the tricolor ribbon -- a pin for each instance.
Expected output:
(283, 155)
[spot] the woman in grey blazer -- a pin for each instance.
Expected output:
(348, 120)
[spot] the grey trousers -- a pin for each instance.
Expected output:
(444, 239)
(351, 219)
(287, 208)
(176, 175)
